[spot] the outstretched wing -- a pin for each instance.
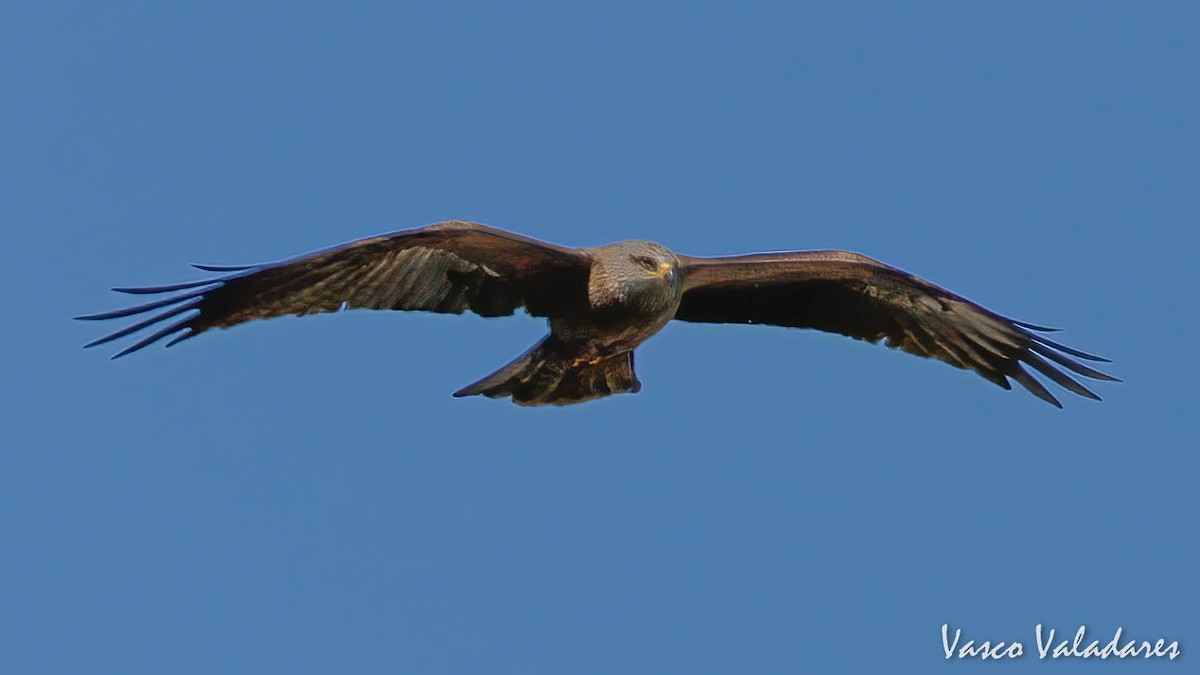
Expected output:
(448, 267)
(850, 294)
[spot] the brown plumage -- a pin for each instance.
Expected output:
(603, 302)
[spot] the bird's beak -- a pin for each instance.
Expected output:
(664, 269)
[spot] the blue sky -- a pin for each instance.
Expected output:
(301, 496)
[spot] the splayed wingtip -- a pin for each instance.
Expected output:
(1040, 329)
(170, 288)
(222, 268)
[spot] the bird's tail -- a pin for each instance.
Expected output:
(552, 373)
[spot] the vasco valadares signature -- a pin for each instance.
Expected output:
(1053, 645)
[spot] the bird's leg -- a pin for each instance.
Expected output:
(588, 361)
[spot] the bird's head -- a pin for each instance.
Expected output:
(638, 272)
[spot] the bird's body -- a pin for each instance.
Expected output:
(601, 303)
(633, 291)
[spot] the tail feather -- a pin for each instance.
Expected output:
(546, 374)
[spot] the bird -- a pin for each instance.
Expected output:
(602, 302)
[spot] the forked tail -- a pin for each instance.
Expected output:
(551, 373)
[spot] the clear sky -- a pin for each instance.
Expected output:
(304, 496)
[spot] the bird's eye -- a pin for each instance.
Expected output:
(646, 262)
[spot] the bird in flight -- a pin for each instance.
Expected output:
(602, 302)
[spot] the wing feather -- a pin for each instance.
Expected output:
(853, 295)
(450, 267)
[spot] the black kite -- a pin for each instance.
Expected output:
(603, 302)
